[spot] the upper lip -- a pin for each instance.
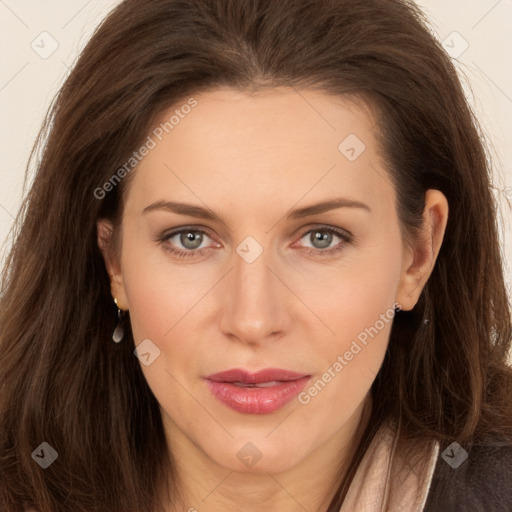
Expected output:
(247, 377)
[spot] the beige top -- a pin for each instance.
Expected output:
(385, 481)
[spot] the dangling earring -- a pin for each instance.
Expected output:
(118, 333)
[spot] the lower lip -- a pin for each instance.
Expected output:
(253, 400)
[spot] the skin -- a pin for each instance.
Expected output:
(251, 158)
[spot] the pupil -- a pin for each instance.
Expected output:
(191, 240)
(322, 238)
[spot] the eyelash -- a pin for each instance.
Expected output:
(343, 235)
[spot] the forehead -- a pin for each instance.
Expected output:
(280, 142)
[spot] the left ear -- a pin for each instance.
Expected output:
(420, 259)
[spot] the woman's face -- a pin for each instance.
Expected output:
(261, 233)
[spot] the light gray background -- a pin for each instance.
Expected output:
(30, 77)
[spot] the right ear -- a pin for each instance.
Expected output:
(105, 232)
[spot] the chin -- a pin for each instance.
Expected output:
(258, 456)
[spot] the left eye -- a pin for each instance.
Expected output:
(321, 238)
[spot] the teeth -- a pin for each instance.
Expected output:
(259, 385)
(267, 384)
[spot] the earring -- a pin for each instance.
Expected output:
(118, 334)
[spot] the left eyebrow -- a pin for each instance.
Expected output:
(332, 204)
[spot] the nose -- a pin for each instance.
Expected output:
(254, 302)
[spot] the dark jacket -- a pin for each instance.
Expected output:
(482, 483)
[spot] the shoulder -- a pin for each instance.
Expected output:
(478, 478)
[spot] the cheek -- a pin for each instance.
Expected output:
(163, 302)
(358, 308)
(357, 296)
(361, 321)
(160, 294)
(364, 302)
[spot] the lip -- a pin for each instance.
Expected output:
(237, 388)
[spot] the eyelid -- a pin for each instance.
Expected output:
(169, 233)
(340, 232)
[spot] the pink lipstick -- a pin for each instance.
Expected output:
(262, 392)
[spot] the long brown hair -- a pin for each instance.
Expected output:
(64, 382)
